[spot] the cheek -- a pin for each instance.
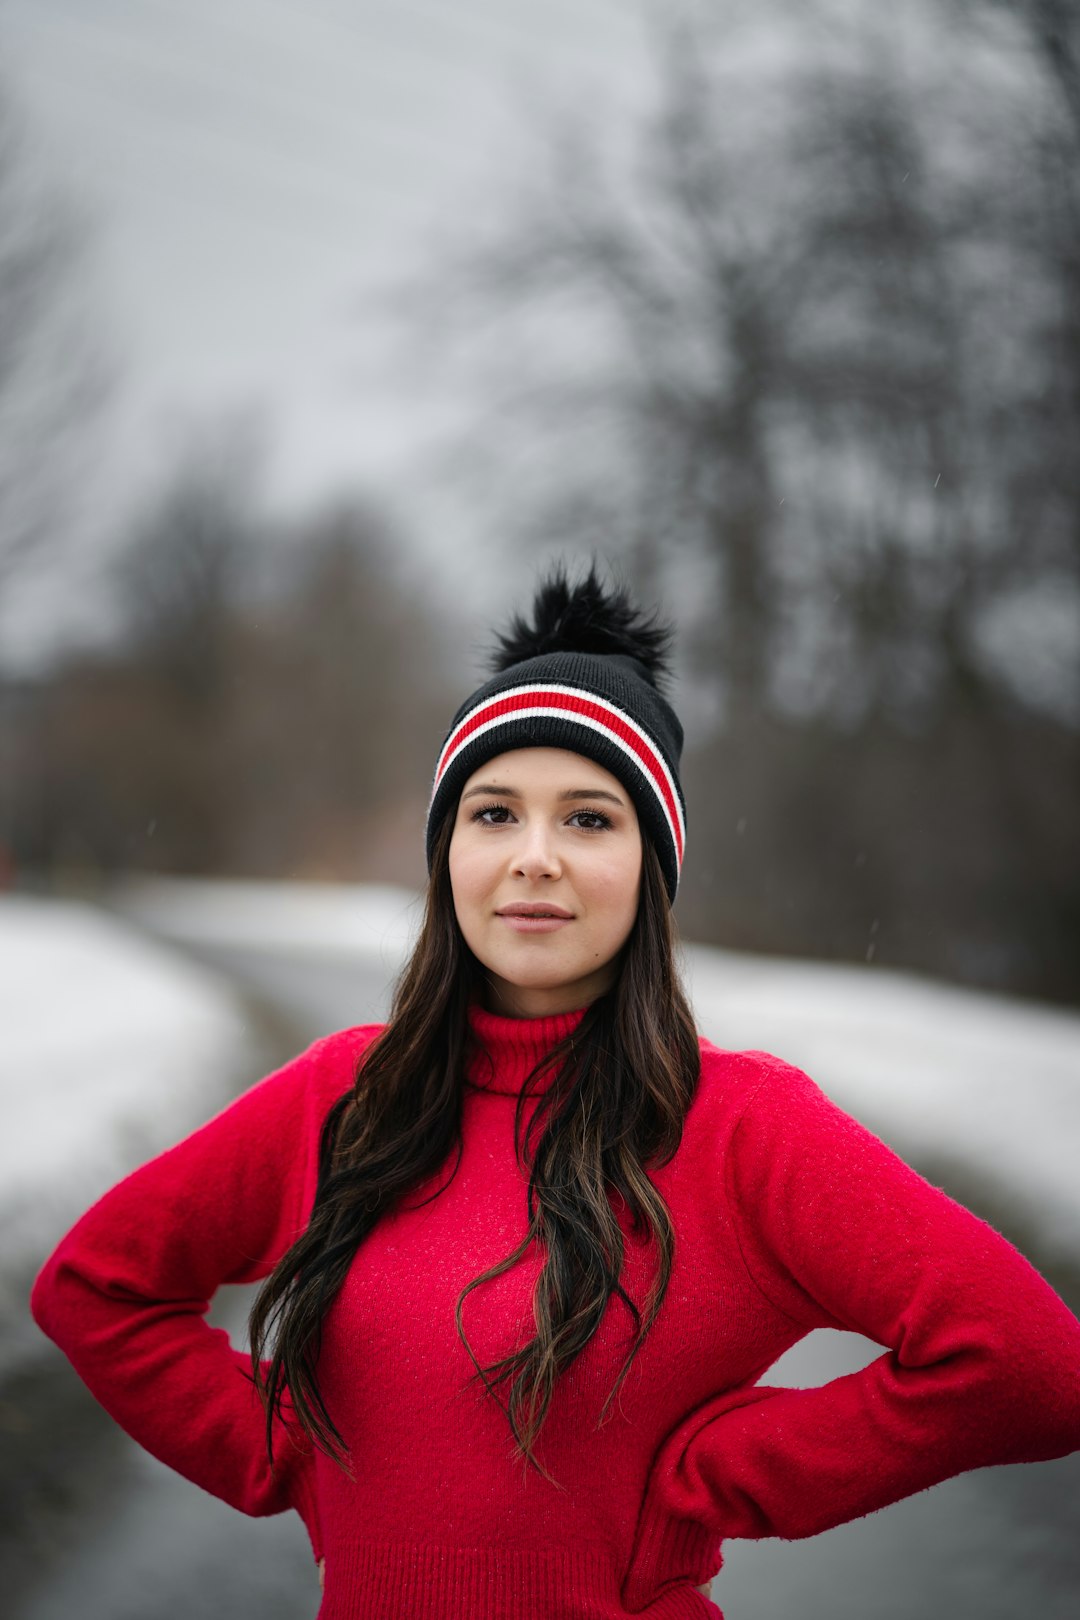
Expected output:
(614, 891)
(469, 877)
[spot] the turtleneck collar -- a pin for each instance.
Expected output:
(503, 1050)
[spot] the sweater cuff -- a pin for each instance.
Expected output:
(669, 1551)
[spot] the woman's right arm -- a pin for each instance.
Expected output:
(125, 1293)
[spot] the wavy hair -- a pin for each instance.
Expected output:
(613, 1106)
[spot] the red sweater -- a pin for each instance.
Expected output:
(788, 1216)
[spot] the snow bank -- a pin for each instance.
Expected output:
(370, 920)
(111, 1048)
(945, 1075)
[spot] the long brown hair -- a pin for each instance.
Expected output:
(614, 1104)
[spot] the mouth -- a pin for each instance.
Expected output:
(534, 917)
(523, 909)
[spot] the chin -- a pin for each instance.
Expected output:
(536, 981)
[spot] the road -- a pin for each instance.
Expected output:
(94, 1527)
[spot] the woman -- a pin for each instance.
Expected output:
(529, 1247)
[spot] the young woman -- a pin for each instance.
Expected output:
(528, 1247)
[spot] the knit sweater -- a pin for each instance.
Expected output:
(788, 1215)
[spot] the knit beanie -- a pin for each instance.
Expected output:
(584, 675)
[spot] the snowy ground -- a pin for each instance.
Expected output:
(982, 1083)
(111, 1047)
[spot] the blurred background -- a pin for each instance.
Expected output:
(321, 329)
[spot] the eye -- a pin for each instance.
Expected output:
(596, 816)
(486, 809)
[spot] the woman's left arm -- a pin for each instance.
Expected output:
(983, 1365)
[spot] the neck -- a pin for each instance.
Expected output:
(506, 1048)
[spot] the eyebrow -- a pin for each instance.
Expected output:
(571, 793)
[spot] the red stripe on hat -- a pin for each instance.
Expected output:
(590, 708)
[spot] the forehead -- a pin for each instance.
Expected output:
(540, 769)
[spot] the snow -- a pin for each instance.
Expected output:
(111, 1048)
(375, 921)
(945, 1075)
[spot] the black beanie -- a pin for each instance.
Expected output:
(582, 676)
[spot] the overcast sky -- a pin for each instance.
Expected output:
(253, 170)
(251, 167)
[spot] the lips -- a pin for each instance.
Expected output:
(531, 922)
(523, 908)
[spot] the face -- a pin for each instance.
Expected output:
(544, 827)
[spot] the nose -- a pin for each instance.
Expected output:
(534, 853)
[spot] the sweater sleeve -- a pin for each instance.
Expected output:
(125, 1293)
(983, 1360)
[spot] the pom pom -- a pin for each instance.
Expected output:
(585, 618)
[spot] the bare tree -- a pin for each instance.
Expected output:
(188, 558)
(54, 373)
(342, 706)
